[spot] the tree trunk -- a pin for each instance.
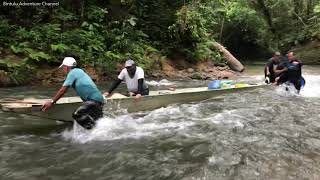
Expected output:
(233, 63)
(221, 30)
(260, 6)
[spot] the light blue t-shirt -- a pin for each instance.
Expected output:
(83, 84)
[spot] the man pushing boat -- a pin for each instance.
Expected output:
(133, 76)
(292, 73)
(93, 101)
(270, 68)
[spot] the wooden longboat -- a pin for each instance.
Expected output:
(62, 110)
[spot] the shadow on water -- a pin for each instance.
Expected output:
(12, 123)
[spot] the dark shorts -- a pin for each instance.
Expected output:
(87, 114)
(297, 83)
(283, 77)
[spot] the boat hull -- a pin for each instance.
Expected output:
(62, 111)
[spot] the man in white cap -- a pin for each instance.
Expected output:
(93, 101)
(133, 76)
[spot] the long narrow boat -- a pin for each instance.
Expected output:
(63, 109)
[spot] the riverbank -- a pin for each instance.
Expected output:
(175, 69)
(167, 69)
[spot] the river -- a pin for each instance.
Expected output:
(262, 134)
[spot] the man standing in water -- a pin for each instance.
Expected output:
(269, 70)
(93, 101)
(292, 72)
(134, 78)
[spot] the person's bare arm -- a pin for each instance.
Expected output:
(281, 70)
(58, 95)
(267, 70)
(114, 85)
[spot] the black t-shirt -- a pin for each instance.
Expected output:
(270, 64)
(282, 64)
(294, 69)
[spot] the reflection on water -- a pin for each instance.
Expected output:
(261, 134)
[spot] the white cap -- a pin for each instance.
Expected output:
(129, 63)
(68, 61)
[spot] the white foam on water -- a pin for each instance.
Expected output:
(228, 117)
(286, 90)
(312, 86)
(162, 82)
(172, 119)
(127, 127)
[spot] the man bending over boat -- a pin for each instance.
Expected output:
(133, 76)
(269, 70)
(93, 101)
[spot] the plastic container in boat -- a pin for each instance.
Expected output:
(241, 85)
(226, 84)
(215, 84)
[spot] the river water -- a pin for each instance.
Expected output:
(262, 134)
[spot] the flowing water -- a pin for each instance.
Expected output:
(262, 134)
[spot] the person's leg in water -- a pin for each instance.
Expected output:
(266, 77)
(297, 85)
(87, 114)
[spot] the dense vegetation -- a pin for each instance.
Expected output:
(103, 33)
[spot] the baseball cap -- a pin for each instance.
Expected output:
(129, 63)
(68, 61)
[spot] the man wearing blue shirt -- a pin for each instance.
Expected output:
(93, 101)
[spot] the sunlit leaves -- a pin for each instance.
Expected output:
(59, 47)
(317, 8)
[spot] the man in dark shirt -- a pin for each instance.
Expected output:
(292, 72)
(269, 70)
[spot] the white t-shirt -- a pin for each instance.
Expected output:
(132, 83)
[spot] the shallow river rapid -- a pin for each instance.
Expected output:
(266, 133)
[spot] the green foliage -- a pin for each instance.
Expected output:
(6, 30)
(19, 74)
(317, 9)
(31, 54)
(105, 33)
(37, 56)
(60, 48)
(289, 22)
(97, 14)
